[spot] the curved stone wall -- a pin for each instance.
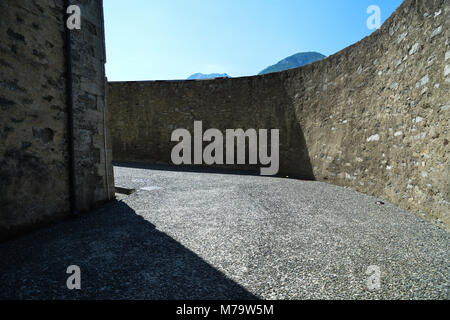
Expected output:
(373, 117)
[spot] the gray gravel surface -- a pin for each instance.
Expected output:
(196, 235)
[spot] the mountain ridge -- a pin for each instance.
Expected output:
(200, 76)
(295, 61)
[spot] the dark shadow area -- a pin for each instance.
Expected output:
(185, 168)
(294, 153)
(121, 256)
(126, 191)
(196, 169)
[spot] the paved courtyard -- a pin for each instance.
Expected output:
(203, 235)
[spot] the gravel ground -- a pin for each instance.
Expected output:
(197, 235)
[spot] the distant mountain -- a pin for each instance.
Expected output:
(199, 76)
(295, 61)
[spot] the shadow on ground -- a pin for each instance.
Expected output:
(121, 256)
(203, 169)
(184, 168)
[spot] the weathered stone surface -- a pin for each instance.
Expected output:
(145, 114)
(94, 175)
(34, 171)
(33, 150)
(371, 117)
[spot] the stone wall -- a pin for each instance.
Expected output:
(34, 157)
(376, 115)
(373, 117)
(94, 172)
(143, 116)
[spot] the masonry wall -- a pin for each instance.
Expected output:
(93, 151)
(34, 157)
(373, 117)
(144, 115)
(376, 115)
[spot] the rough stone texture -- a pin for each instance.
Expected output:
(143, 116)
(34, 170)
(94, 173)
(373, 117)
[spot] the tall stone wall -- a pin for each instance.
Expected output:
(34, 156)
(93, 151)
(373, 117)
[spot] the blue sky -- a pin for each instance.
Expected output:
(172, 39)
